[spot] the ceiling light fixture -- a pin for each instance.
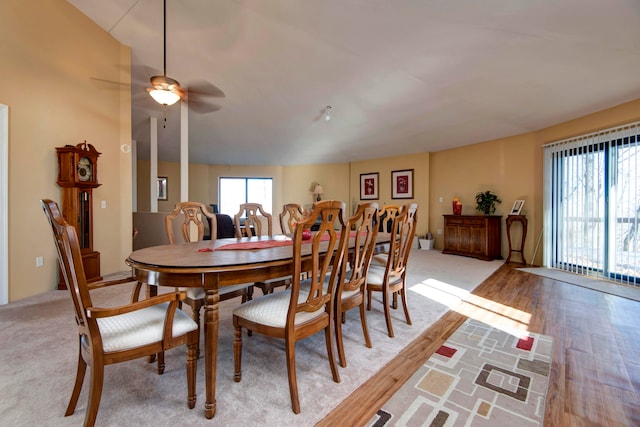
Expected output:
(165, 91)
(326, 112)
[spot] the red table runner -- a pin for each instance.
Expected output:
(270, 243)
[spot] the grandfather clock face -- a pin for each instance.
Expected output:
(85, 169)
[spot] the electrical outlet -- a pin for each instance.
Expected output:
(103, 204)
(441, 199)
(439, 230)
(39, 261)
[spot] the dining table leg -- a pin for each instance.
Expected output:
(211, 315)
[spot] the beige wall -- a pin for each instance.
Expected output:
(50, 53)
(512, 168)
(298, 180)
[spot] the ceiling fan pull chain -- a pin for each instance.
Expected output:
(164, 109)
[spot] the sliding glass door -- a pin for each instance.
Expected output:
(624, 211)
(592, 204)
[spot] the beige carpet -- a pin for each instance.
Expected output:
(624, 291)
(481, 376)
(39, 351)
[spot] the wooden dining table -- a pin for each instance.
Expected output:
(212, 265)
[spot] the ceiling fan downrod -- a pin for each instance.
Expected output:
(165, 90)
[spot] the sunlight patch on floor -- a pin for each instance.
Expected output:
(500, 316)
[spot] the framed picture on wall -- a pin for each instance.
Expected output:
(163, 193)
(369, 186)
(402, 184)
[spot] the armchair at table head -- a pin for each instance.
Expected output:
(112, 335)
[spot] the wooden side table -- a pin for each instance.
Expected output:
(523, 220)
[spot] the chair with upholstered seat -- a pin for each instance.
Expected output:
(251, 219)
(390, 278)
(117, 334)
(292, 314)
(191, 214)
(352, 280)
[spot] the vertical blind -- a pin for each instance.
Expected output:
(592, 204)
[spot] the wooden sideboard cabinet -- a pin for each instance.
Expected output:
(473, 235)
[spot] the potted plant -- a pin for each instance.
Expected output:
(486, 202)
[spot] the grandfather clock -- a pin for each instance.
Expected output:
(78, 176)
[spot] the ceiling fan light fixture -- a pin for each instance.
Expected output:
(164, 96)
(166, 91)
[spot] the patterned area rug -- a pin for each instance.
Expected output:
(481, 376)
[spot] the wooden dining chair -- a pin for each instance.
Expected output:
(292, 314)
(191, 214)
(352, 280)
(390, 278)
(254, 217)
(386, 214)
(291, 215)
(117, 334)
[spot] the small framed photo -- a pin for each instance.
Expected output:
(517, 207)
(163, 190)
(402, 184)
(369, 186)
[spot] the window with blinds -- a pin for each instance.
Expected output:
(592, 204)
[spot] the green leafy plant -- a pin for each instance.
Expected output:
(486, 202)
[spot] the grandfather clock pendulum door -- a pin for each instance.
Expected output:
(78, 176)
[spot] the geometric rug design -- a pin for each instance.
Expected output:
(481, 376)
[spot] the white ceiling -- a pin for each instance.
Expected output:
(402, 76)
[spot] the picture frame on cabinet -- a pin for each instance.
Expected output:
(517, 207)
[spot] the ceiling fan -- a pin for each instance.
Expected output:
(167, 91)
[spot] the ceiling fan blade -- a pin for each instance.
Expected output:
(202, 107)
(202, 88)
(104, 82)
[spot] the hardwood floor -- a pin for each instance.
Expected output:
(595, 373)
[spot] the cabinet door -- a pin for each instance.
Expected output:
(478, 241)
(451, 238)
(465, 239)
